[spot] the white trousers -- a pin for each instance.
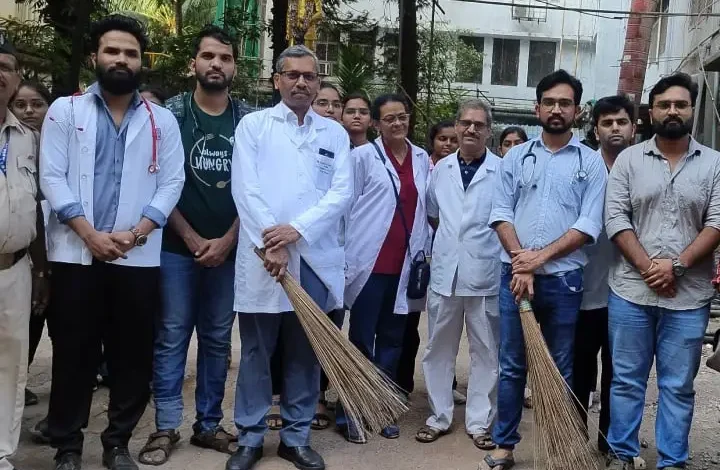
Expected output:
(15, 292)
(446, 316)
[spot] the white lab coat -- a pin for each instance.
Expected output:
(464, 243)
(370, 217)
(282, 176)
(67, 168)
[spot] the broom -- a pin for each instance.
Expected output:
(368, 395)
(560, 435)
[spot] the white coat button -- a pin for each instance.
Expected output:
(84, 150)
(85, 203)
(84, 177)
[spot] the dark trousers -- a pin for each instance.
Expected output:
(338, 317)
(591, 337)
(95, 306)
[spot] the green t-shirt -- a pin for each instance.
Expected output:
(206, 201)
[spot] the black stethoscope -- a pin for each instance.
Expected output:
(581, 175)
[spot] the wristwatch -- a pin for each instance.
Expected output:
(678, 268)
(140, 238)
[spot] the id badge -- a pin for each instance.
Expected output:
(324, 168)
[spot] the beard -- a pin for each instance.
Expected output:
(117, 80)
(214, 85)
(673, 128)
(556, 125)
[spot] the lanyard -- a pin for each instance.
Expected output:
(3, 157)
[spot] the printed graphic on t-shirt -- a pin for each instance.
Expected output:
(211, 159)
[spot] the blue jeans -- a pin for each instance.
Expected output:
(193, 297)
(259, 335)
(375, 328)
(556, 306)
(674, 338)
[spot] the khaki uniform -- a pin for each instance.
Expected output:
(18, 191)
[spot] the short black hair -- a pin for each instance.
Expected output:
(677, 79)
(435, 130)
(38, 87)
(7, 47)
(219, 34)
(155, 90)
(117, 22)
(513, 130)
(382, 100)
(612, 105)
(556, 78)
(357, 96)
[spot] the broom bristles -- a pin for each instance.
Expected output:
(369, 397)
(560, 434)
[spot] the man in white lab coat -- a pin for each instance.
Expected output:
(111, 167)
(464, 281)
(291, 181)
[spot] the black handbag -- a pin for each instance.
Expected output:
(419, 278)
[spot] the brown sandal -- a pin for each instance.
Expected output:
(483, 441)
(163, 441)
(430, 433)
(216, 439)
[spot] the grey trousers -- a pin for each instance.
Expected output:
(259, 334)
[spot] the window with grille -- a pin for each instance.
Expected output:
(326, 49)
(506, 59)
(541, 61)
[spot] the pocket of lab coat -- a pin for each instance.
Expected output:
(324, 168)
(477, 272)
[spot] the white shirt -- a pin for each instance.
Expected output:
(67, 168)
(371, 214)
(466, 251)
(283, 173)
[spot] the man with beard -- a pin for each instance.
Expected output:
(663, 213)
(547, 205)
(112, 171)
(614, 128)
(197, 261)
(292, 183)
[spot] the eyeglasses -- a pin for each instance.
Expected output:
(550, 103)
(327, 103)
(665, 105)
(389, 120)
(294, 75)
(7, 69)
(466, 123)
(360, 111)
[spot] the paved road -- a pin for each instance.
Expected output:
(454, 451)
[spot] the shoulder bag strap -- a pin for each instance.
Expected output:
(397, 197)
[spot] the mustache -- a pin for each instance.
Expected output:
(673, 119)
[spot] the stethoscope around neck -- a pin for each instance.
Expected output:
(580, 175)
(197, 130)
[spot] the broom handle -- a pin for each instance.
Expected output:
(260, 253)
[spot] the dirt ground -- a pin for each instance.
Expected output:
(454, 451)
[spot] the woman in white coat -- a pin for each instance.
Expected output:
(377, 257)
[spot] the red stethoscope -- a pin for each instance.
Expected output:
(154, 167)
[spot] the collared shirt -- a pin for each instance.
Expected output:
(18, 187)
(109, 157)
(595, 275)
(545, 194)
(667, 210)
(468, 170)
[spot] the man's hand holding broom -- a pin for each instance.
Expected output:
(277, 256)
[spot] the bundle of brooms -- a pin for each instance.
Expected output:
(368, 396)
(559, 433)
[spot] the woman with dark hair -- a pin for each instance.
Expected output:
(388, 210)
(327, 102)
(442, 140)
(356, 118)
(510, 137)
(29, 105)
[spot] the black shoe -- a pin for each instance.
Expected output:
(244, 458)
(30, 398)
(68, 461)
(40, 433)
(118, 458)
(302, 457)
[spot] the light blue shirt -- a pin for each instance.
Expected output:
(550, 194)
(109, 157)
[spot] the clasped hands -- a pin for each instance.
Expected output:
(660, 277)
(110, 246)
(276, 239)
